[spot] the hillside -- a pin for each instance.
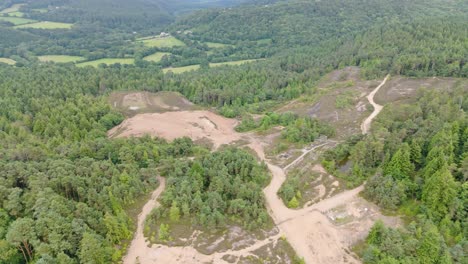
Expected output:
(233, 131)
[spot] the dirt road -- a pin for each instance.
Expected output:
(138, 244)
(365, 126)
(309, 231)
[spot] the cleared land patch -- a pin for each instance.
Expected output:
(16, 14)
(107, 61)
(232, 63)
(11, 9)
(46, 25)
(215, 45)
(400, 88)
(182, 69)
(131, 103)
(17, 21)
(7, 61)
(340, 100)
(171, 125)
(60, 58)
(159, 42)
(156, 57)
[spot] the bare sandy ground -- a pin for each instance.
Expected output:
(311, 231)
(171, 125)
(365, 126)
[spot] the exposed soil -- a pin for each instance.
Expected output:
(365, 126)
(320, 233)
(340, 85)
(171, 125)
(132, 103)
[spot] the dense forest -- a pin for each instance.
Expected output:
(415, 163)
(65, 187)
(222, 187)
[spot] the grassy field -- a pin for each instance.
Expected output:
(156, 57)
(7, 61)
(161, 42)
(182, 69)
(13, 8)
(60, 58)
(17, 21)
(41, 10)
(16, 14)
(108, 61)
(215, 45)
(46, 25)
(231, 63)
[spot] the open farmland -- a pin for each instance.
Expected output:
(156, 57)
(182, 69)
(159, 42)
(107, 61)
(60, 58)
(7, 61)
(215, 45)
(13, 8)
(17, 21)
(16, 14)
(231, 63)
(46, 25)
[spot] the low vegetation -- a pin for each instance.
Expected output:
(60, 58)
(106, 61)
(161, 42)
(46, 25)
(17, 21)
(7, 61)
(182, 69)
(156, 57)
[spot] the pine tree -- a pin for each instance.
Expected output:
(439, 193)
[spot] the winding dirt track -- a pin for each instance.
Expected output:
(308, 230)
(365, 126)
(138, 244)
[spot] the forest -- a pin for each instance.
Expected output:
(415, 163)
(65, 187)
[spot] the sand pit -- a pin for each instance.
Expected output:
(312, 231)
(171, 125)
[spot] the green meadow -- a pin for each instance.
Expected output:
(16, 14)
(231, 63)
(17, 21)
(182, 69)
(13, 8)
(107, 61)
(215, 45)
(7, 61)
(156, 57)
(158, 42)
(46, 25)
(60, 58)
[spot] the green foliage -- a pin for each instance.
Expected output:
(293, 203)
(94, 249)
(297, 129)
(421, 177)
(439, 194)
(174, 212)
(224, 185)
(164, 232)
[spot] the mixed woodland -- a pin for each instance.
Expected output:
(65, 187)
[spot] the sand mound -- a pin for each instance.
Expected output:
(171, 125)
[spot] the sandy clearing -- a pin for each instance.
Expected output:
(138, 244)
(309, 231)
(365, 126)
(171, 125)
